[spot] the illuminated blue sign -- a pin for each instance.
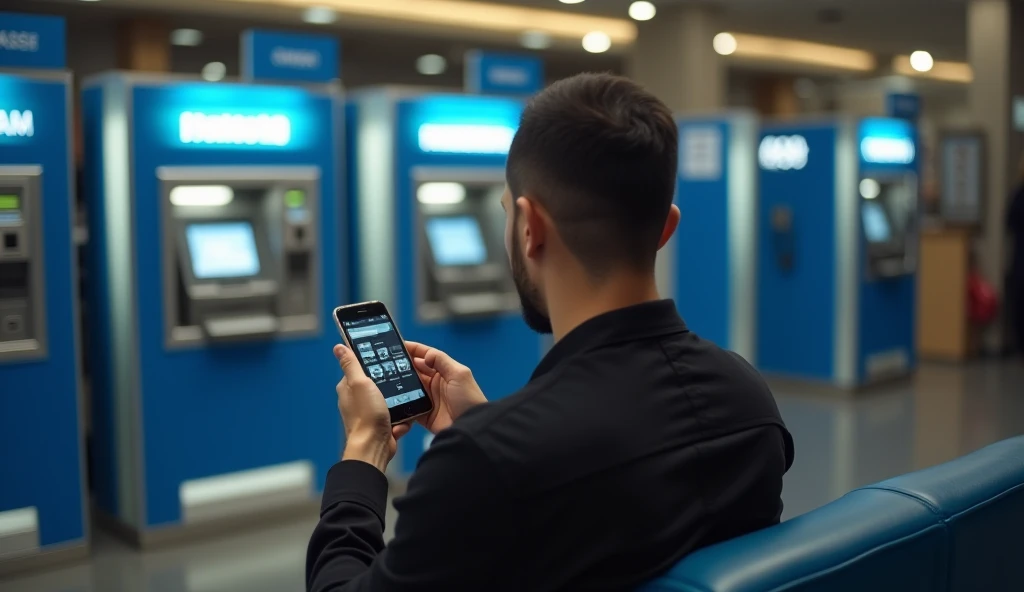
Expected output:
(262, 129)
(459, 124)
(455, 138)
(491, 73)
(31, 41)
(16, 124)
(269, 55)
(783, 153)
(903, 106)
(887, 142)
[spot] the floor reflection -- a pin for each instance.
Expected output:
(842, 442)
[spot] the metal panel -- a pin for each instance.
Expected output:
(847, 266)
(743, 198)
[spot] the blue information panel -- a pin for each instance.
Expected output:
(31, 41)
(494, 73)
(903, 106)
(269, 55)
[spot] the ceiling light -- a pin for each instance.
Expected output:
(319, 15)
(214, 71)
(186, 37)
(193, 196)
(597, 42)
(870, 189)
(945, 71)
(431, 64)
(570, 1)
(795, 51)
(725, 44)
(534, 39)
(441, 193)
(641, 10)
(921, 61)
(90, 0)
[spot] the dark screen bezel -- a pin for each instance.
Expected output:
(400, 413)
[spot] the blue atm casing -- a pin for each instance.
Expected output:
(41, 448)
(166, 416)
(822, 318)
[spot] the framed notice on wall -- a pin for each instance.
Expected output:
(962, 168)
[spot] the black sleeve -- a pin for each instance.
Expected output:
(450, 521)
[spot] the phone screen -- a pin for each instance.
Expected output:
(372, 334)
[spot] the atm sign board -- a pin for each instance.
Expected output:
(31, 41)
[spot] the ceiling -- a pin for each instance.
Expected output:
(880, 26)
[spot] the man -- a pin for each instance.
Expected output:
(634, 443)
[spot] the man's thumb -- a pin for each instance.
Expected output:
(349, 364)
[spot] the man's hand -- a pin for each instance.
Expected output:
(369, 436)
(450, 385)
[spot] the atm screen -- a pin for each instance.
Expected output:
(456, 240)
(876, 223)
(222, 250)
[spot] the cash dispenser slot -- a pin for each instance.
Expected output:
(463, 268)
(22, 305)
(888, 209)
(243, 253)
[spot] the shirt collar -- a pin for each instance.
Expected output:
(648, 319)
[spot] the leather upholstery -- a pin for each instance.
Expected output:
(981, 499)
(955, 527)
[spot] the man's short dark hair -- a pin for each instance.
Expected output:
(600, 154)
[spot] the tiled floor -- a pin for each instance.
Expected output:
(842, 442)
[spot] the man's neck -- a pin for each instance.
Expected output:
(570, 304)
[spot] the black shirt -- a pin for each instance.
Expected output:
(634, 443)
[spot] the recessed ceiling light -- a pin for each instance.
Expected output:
(725, 44)
(642, 10)
(597, 42)
(431, 64)
(535, 40)
(921, 61)
(319, 15)
(214, 71)
(90, 0)
(570, 1)
(186, 37)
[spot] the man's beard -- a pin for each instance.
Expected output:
(529, 295)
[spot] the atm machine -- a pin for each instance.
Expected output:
(42, 489)
(216, 244)
(838, 237)
(429, 174)
(709, 265)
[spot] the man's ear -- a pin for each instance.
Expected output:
(671, 223)
(534, 231)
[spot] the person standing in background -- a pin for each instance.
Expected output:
(1015, 289)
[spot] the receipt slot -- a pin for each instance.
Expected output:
(428, 230)
(215, 254)
(239, 252)
(837, 257)
(42, 454)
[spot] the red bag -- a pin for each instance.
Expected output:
(982, 302)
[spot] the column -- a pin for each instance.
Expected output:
(674, 58)
(775, 97)
(995, 49)
(144, 45)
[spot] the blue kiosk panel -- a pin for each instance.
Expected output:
(197, 397)
(837, 257)
(42, 497)
(711, 260)
(404, 142)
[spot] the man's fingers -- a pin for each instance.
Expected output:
(416, 349)
(400, 430)
(421, 366)
(349, 364)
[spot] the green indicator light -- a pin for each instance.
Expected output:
(295, 198)
(9, 202)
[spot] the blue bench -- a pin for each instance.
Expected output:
(956, 527)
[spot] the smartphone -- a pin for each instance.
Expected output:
(369, 331)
